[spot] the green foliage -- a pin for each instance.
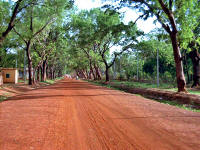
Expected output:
(4, 17)
(78, 40)
(188, 17)
(146, 85)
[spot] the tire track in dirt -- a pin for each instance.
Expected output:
(75, 115)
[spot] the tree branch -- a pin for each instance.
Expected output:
(11, 23)
(170, 15)
(166, 27)
(31, 3)
(19, 35)
(170, 4)
(49, 22)
(141, 16)
(116, 54)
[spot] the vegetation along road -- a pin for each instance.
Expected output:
(75, 115)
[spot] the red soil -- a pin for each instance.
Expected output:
(75, 115)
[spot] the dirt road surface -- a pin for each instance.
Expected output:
(75, 115)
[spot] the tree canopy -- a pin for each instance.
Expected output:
(52, 38)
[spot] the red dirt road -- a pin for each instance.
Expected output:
(75, 115)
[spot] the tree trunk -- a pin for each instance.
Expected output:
(98, 76)
(52, 73)
(178, 62)
(83, 74)
(47, 73)
(44, 70)
(92, 71)
(195, 57)
(90, 74)
(60, 73)
(38, 74)
(28, 47)
(41, 75)
(107, 74)
(87, 74)
(33, 77)
(186, 68)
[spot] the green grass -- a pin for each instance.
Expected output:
(191, 91)
(59, 78)
(149, 85)
(163, 86)
(194, 92)
(142, 85)
(48, 81)
(2, 98)
(21, 81)
(183, 106)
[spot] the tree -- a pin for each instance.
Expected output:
(7, 22)
(194, 46)
(95, 32)
(5, 7)
(148, 52)
(166, 13)
(195, 57)
(83, 28)
(36, 19)
(112, 32)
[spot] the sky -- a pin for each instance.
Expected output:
(130, 15)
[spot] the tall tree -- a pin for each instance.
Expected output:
(95, 32)
(5, 6)
(10, 14)
(36, 19)
(166, 13)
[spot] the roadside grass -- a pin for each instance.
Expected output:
(190, 91)
(2, 98)
(134, 84)
(20, 81)
(194, 92)
(183, 106)
(149, 85)
(164, 86)
(58, 78)
(48, 81)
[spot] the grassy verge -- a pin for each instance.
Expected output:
(191, 91)
(2, 98)
(48, 81)
(142, 85)
(163, 86)
(183, 106)
(147, 85)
